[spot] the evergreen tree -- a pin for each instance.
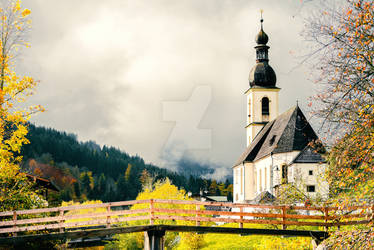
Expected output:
(77, 190)
(213, 188)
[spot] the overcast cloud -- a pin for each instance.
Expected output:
(107, 68)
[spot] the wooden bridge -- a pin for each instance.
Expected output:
(82, 223)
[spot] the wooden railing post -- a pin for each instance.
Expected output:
(151, 213)
(61, 221)
(15, 222)
(241, 218)
(108, 216)
(197, 215)
(326, 210)
(284, 212)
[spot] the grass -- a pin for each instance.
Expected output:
(237, 242)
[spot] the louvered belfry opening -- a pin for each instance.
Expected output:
(265, 109)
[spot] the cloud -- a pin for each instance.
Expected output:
(107, 67)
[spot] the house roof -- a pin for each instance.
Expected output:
(308, 155)
(264, 197)
(42, 182)
(218, 198)
(290, 131)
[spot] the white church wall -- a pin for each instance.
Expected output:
(239, 183)
(249, 191)
(263, 167)
(269, 171)
(252, 131)
(250, 179)
(254, 109)
(255, 96)
(310, 174)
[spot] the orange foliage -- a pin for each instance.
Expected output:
(345, 39)
(59, 178)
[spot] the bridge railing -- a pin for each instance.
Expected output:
(197, 213)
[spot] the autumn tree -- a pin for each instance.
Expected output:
(162, 189)
(344, 48)
(213, 188)
(344, 40)
(15, 192)
(146, 180)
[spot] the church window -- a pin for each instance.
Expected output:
(284, 174)
(311, 188)
(265, 106)
(260, 180)
(310, 172)
(261, 54)
(236, 176)
(241, 180)
(255, 181)
(266, 179)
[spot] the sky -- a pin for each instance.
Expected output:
(162, 79)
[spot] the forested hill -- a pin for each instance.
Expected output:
(96, 172)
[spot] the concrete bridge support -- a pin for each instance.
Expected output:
(154, 239)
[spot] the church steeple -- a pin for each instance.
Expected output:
(261, 48)
(262, 74)
(262, 95)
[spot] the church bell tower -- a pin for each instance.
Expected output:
(262, 96)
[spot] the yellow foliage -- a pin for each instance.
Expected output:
(191, 241)
(14, 188)
(26, 12)
(84, 211)
(162, 190)
(166, 190)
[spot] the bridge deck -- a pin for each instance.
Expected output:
(103, 232)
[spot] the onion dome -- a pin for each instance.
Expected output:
(262, 74)
(261, 37)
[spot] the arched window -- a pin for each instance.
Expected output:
(284, 174)
(265, 106)
(241, 181)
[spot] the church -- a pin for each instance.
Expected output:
(279, 146)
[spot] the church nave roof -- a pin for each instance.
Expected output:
(288, 132)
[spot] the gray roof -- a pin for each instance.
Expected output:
(290, 131)
(309, 155)
(218, 198)
(264, 197)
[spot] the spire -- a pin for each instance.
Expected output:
(262, 38)
(262, 74)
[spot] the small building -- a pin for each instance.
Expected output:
(214, 198)
(42, 184)
(279, 147)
